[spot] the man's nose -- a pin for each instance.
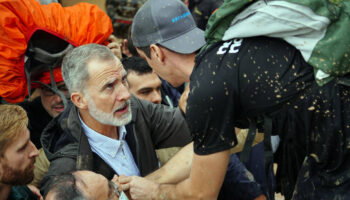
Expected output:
(123, 93)
(57, 98)
(156, 97)
(34, 151)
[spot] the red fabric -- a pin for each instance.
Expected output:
(46, 78)
(80, 24)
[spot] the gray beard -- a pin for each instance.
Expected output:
(108, 118)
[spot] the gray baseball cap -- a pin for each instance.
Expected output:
(168, 23)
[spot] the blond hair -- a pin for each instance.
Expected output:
(13, 120)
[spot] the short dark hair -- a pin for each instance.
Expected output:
(130, 44)
(146, 50)
(137, 65)
(64, 187)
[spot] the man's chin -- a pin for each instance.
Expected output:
(56, 111)
(125, 118)
(19, 178)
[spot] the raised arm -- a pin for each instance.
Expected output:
(176, 169)
(204, 182)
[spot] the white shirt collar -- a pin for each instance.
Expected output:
(103, 142)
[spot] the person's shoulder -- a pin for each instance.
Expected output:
(143, 109)
(21, 192)
(137, 104)
(268, 44)
(62, 131)
(30, 106)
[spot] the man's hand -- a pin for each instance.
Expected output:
(138, 187)
(115, 46)
(115, 179)
(35, 191)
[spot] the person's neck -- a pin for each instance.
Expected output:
(189, 63)
(106, 130)
(4, 191)
(185, 63)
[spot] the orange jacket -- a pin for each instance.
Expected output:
(80, 24)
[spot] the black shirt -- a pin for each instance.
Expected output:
(240, 78)
(245, 79)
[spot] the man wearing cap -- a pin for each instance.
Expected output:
(179, 52)
(252, 82)
(145, 84)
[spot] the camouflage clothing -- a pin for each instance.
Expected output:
(202, 9)
(122, 13)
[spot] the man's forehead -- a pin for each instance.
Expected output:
(99, 66)
(22, 138)
(143, 79)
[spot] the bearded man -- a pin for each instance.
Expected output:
(17, 154)
(106, 130)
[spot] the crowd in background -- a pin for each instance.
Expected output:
(127, 102)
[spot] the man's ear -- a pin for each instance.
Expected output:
(157, 52)
(79, 100)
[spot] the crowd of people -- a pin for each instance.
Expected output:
(155, 105)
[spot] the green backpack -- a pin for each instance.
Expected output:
(330, 56)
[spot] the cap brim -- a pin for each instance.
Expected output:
(187, 43)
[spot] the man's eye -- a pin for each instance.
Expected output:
(62, 88)
(124, 79)
(146, 92)
(109, 86)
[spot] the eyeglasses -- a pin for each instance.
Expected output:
(113, 190)
(47, 91)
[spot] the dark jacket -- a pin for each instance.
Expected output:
(21, 192)
(38, 119)
(152, 127)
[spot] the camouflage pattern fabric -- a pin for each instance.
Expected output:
(122, 13)
(331, 54)
(202, 9)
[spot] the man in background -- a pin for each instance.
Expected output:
(17, 154)
(143, 82)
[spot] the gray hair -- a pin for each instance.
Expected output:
(74, 64)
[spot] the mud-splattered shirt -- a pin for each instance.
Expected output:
(240, 79)
(237, 78)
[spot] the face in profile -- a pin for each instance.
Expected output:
(53, 103)
(158, 67)
(107, 93)
(145, 86)
(95, 186)
(82, 184)
(17, 162)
